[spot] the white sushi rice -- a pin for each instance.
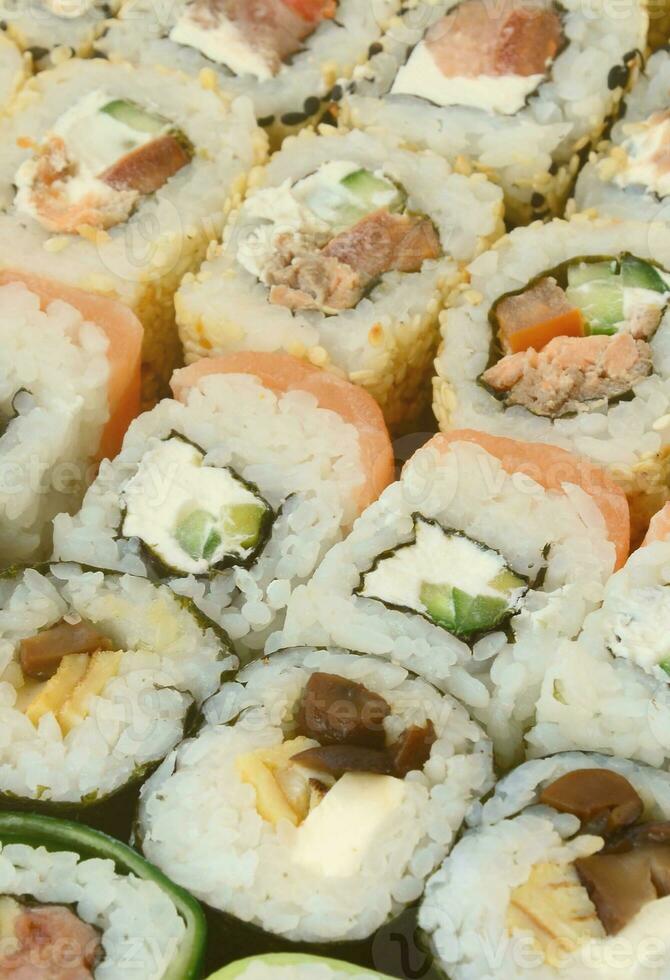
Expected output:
(387, 342)
(142, 260)
(594, 700)
(141, 928)
(465, 907)
(466, 489)
(13, 71)
(305, 460)
(169, 662)
(141, 35)
(198, 821)
(629, 438)
(596, 191)
(54, 30)
(567, 111)
(53, 373)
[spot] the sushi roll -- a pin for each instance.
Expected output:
(562, 336)
(52, 31)
(564, 875)
(469, 570)
(629, 177)
(293, 966)
(13, 72)
(101, 674)
(286, 55)
(69, 386)
(519, 92)
(235, 489)
(75, 903)
(323, 789)
(115, 179)
(342, 254)
(610, 690)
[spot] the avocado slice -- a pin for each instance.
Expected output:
(460, 613)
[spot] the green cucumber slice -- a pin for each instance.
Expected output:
(601, 302)
(665, 665)
(637, 274)
(63, 835)
(197, 534)
(235, 970)
(244, 522)
(460, 613)
(134, 116)
(366, 186)
(583, 272)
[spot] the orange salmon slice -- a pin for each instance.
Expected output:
(552, 467)
(124, 334)
(282, 373)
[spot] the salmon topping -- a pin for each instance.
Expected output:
(476, 39)
(337, 276)
(40, 656)
(570, 371)
(51, 943)
(147, 168)
(536, 316)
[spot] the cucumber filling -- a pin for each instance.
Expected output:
(193, 517)
(615, 297)
(455, 582)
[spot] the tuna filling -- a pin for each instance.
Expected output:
(46, 942)
(454, 582)
(95, 164)
(192, 517)
(579, 337)
(250, 37)
(324, 242)
(490, 58)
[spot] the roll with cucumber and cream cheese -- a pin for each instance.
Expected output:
(562, 336)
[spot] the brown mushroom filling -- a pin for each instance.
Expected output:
(633, 867)
(40, 655)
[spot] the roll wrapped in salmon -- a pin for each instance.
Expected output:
(342, 254)
(101, 674)
(609, 691)
(236, 489)
(469, 569)
(629, 176)
(115, 179)
(562, 336)
(76, 903)
(318, 773)
(13, 71)
(518, 91)
(286, 55)
(563, 877)
(69, 386)
(52, 31)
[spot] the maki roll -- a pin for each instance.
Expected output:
(75, 903)
(52, 31)
(562, 336)
(342, 254)
(610, 691)
(13, 72)
(69, 386)
(469, 570)
(321, 792)
(629, 176)
(286, 55)
(519, 92)
(100, 676)
(115, 179)
(292, 966)
(234, 490)
(565, 875)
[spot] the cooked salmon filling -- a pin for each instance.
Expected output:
(485, 57)
(325, 241)
(96, 163)
(569, 346)
(250, 37)
(46, 943)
